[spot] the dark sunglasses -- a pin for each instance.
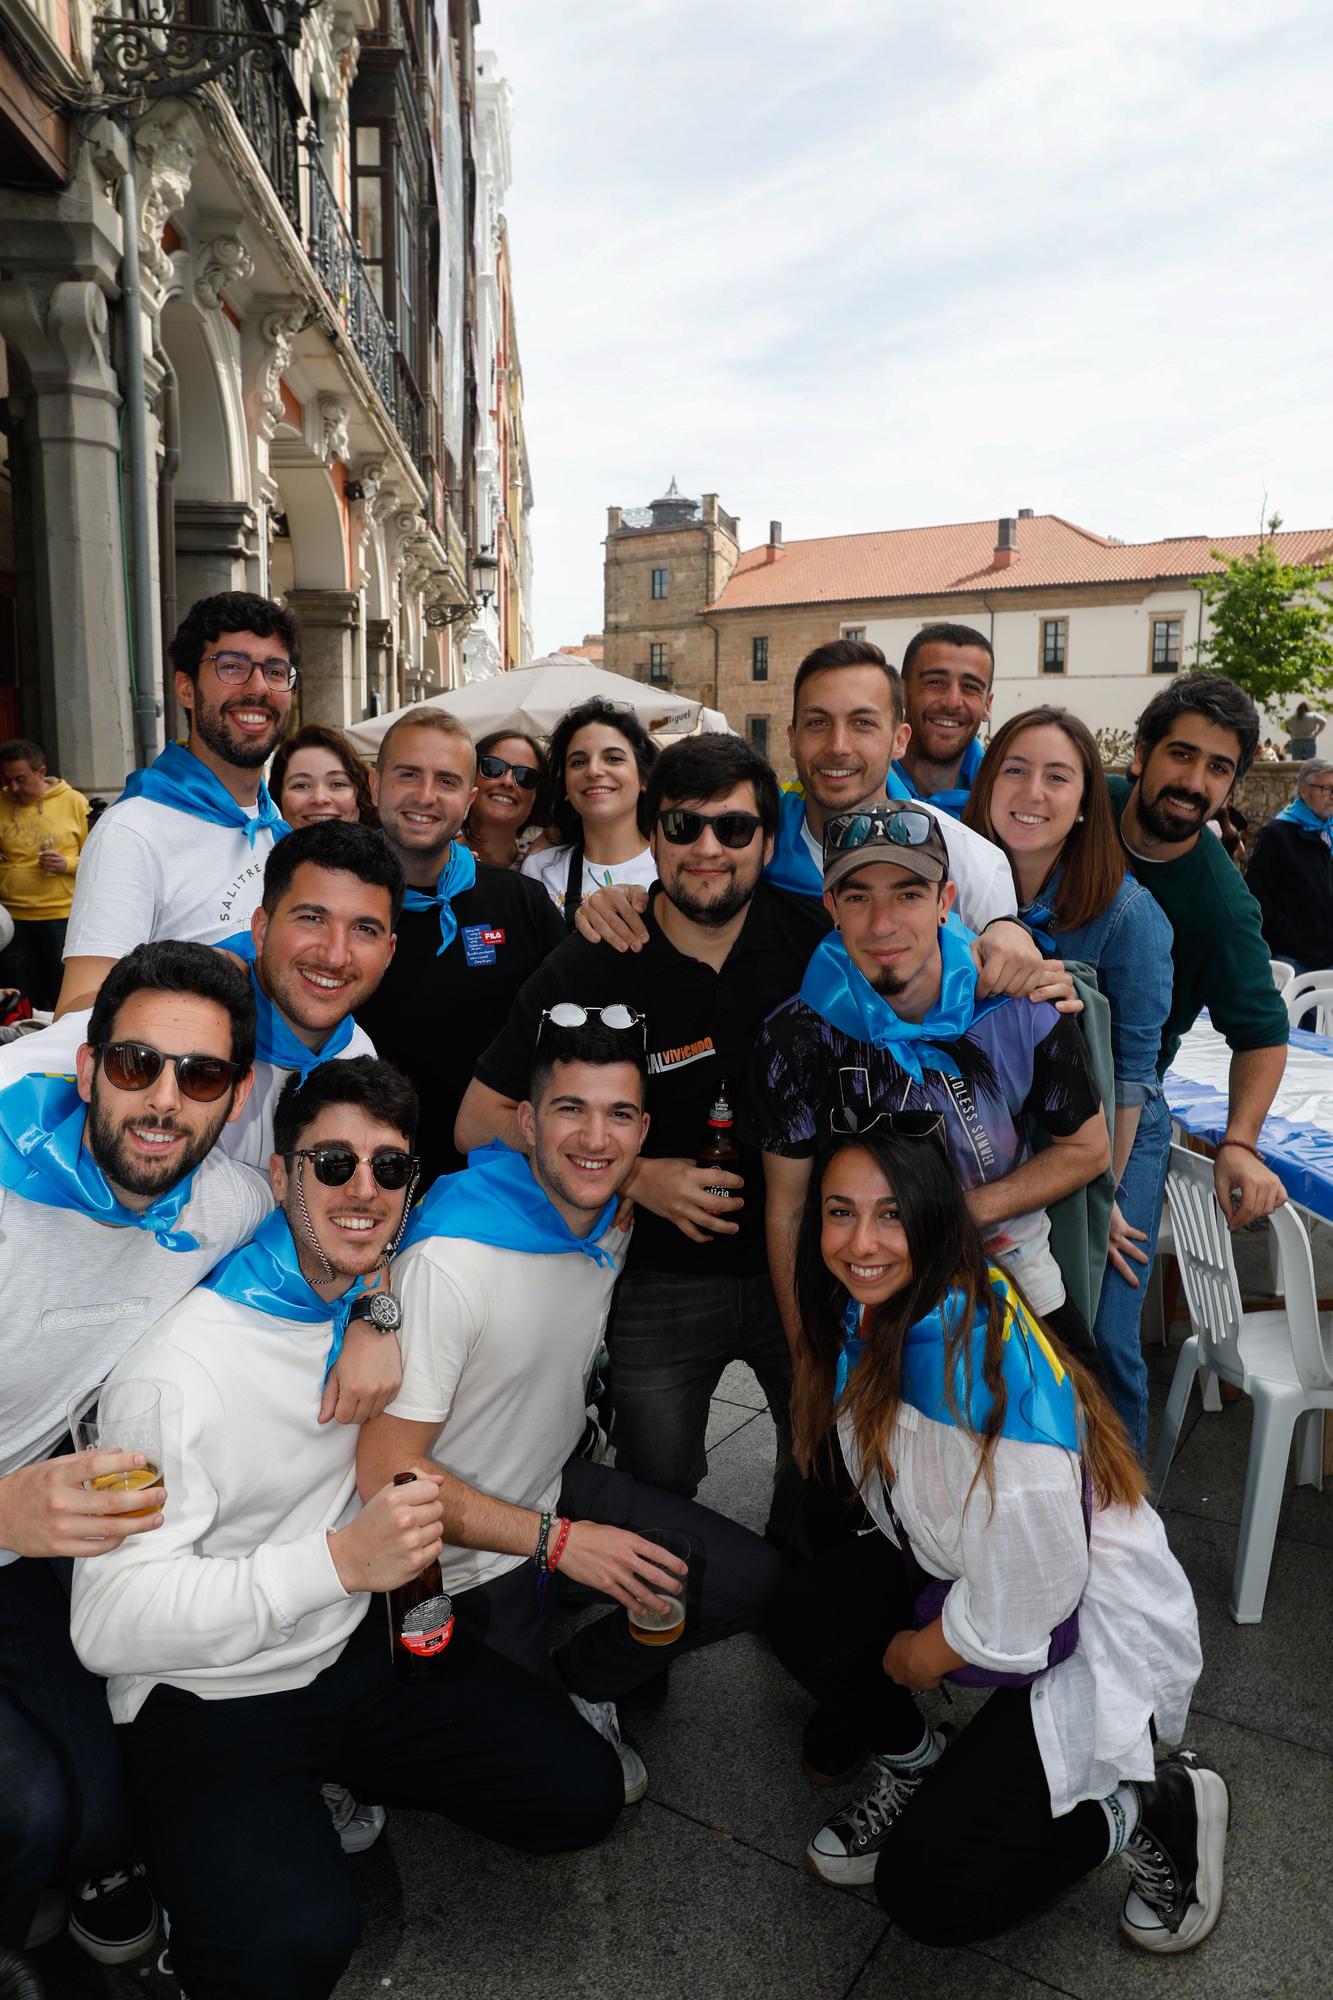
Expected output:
(335, 1165)
(526, 776)
(907, 826)
(849, 1123)
(569, 1014)
(733, 829)
(136, 1066)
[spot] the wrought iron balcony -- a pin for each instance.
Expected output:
(337, 261)
(265, 99)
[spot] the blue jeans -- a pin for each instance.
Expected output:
(63, 1813)
(1140, 1195)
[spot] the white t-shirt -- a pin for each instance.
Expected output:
(551, 868)
(977, 867)
(497, 1349)
(77, 1293)
(248, 1139)
(148, 871)
(236, 1593)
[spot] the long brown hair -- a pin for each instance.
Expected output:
(1092, 862)
(944, 1250)
(319, 736)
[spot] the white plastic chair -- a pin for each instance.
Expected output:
(1282, 1360)
(1283, 974)
(1307, 990)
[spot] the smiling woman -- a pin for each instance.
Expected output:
(317, 775)
(600, 756)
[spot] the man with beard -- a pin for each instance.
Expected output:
(948, 678)
(114, 1202)
(181, 854)
(469, 934)
(1193, 743)
(724, 948)
(248, 1663)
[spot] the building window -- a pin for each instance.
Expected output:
(659, 583)
(853, 631)
(1166, 645)
(658, 669)
(1054, 644)
(758, 659)
(756, 729)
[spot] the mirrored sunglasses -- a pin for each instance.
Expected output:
(525, 775)
(568, 1014)
(733, 829)
(907, 826)
(137, 1066)
(335, 1165)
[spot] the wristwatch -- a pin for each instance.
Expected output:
(382, 1310)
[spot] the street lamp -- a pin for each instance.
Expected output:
(485, 569)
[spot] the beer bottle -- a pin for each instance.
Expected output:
(719, 1149)
(421, 1617)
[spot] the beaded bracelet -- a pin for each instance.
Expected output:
(539, 1554)
(1245, 1147)
(554, 1555)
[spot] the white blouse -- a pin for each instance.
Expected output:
(1021, 1562)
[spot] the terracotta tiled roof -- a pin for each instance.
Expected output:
(931, 562)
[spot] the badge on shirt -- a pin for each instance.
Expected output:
(479, 942)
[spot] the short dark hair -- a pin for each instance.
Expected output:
(374, 1086)
(334, 843)
(320, 736)
(592, 1043)
(1212, 696)
(595, 709)
(704, 767)
(848, 653)
(22, 750)
(947, 635)
(232, 611)
(175, 965)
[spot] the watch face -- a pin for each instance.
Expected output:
(385, 1312)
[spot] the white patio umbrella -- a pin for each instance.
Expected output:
(534, 698)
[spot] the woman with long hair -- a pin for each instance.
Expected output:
(599, 757)
(505, 821)
(1041, 796)
(317, 775)
(1011, 1548)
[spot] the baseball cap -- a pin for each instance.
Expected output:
(906, 835)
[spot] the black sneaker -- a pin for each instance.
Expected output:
(831, 1754)
(114, 1918)
(1175, 1856)
(18, 1981)
(847, 1847)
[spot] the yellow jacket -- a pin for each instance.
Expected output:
(28, 891)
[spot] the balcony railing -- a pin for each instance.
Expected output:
(411, 419)
(337, 261)
(265, 99)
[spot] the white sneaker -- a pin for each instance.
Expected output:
(601, 1716)
(357, 1827)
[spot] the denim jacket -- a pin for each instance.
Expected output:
(1129, 948)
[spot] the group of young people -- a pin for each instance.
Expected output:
(367, 1134)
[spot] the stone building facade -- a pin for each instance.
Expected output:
(664, 564)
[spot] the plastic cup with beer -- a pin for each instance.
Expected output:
(647, 1624)
(121, 1416)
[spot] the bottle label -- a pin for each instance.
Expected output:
(721, 1193)
(428, 1627)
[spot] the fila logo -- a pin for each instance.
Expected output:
(493, 936)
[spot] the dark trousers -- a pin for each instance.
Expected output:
(63, 1812)
(34, 961)
(977, 1848)
(732, 1576)
(241, 1847)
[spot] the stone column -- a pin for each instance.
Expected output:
(215, 540)
(380, 661)
(330, 680)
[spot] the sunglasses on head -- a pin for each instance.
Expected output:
(846, 1122)
(568, 1014)
(137, 1066)
(525, 775)
(335, 1165)
(733, 829)
(907, 826)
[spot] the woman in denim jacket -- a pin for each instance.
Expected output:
(1040, 796)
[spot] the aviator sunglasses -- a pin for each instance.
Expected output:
(848, 1123)
(525, 775)
(335, 1165)
(907, 826)
(568, 1014)
(733, 829)
(137, 1066)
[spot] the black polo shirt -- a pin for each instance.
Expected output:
(433, 1015)
(702, 1027)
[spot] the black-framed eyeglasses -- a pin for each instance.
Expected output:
(335, 1165)
(236, 669)
(526, 776)
(733, 829)
(138, 1065)
(617, 1016)
(900, 826)
(847, 1122)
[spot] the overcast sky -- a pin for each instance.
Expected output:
(872, 264)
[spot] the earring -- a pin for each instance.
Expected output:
(1080, 819)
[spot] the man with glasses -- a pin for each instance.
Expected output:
(889, 1020)
(114, 1202)
(1290, 874)
(181, 854)
(723, 950)
(249, 1661)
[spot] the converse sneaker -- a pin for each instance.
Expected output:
(601, 1716)
(846, 1848)
(1174, 1856)
(357, 1827)
(114, 1917)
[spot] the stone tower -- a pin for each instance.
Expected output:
(664, 564)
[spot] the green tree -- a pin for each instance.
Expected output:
(1272, 622)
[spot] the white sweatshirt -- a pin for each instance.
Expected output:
(236, 1594)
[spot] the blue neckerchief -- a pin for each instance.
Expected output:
(1039, 914)
(178, 779)
(460, 872)
(265, 1274)
(497, 1199)
(844, 997)
(852, 1345)
(1301, 815)
(952, 802)
(793, 866)
(43, 1158)
(276, 1041)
